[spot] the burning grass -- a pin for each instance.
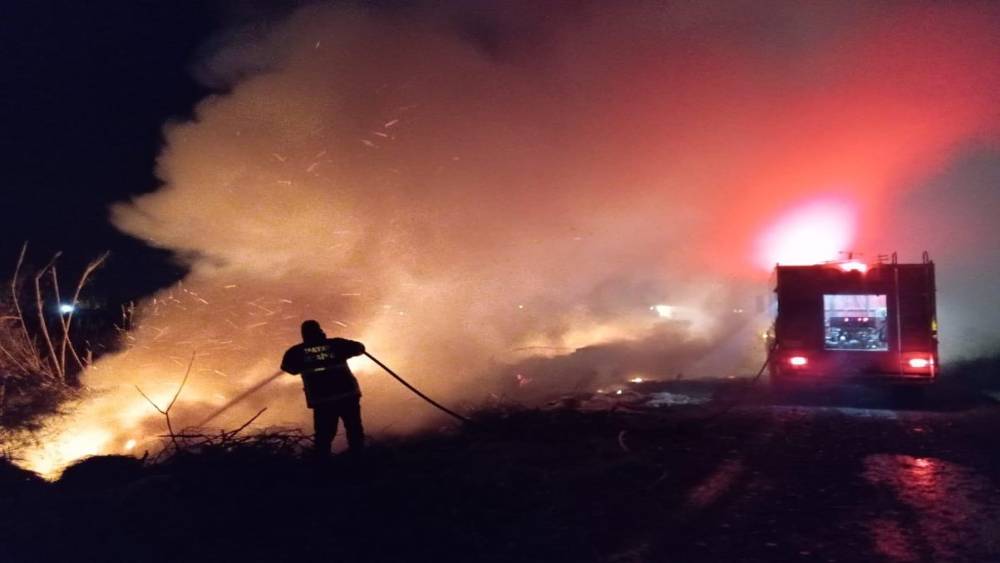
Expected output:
(523, 484)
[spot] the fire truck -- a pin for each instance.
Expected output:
(849, 321)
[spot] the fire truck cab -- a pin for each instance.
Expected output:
(849, 320)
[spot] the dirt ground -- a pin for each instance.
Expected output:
(714, 472)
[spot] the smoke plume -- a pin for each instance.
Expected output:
(493, 194)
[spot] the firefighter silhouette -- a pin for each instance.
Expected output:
(332, 391)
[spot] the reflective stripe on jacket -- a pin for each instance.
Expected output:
(323, 365)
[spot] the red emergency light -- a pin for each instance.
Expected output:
(920, 363)
(798, 360)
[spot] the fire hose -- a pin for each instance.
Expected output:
(263, 383)
(417, 391)
(239, 398)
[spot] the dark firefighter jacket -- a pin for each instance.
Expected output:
(324, 370)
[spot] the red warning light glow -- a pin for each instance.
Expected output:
(813, 233)
(798, 360)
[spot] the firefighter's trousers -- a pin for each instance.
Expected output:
(326, 417)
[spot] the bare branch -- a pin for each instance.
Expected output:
(43, 325)
(67, 342)
(15, 361)
(144, 396)
(166, 412)
(166, 415)
(28, 341)
(187, 372)
(245, 424)
(94, 265)
(62, 320)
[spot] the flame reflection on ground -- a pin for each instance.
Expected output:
(717, 484)
(942, 507)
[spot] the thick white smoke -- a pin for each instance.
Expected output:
(426, 185)
(464, 186)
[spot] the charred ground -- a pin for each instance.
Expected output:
(849, 475)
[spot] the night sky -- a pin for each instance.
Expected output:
(85, 90)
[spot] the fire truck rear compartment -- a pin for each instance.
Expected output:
(837, 324)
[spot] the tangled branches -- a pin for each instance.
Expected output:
(272, 441)
(192, 440)
(39, 359)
